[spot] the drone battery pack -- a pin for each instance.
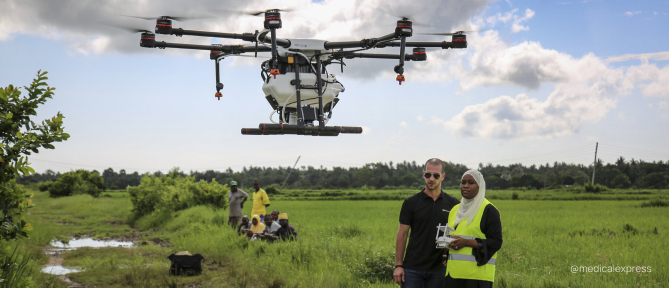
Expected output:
(309, 113)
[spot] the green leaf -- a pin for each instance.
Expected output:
(9, 115)
(32, 171)
(48, 146)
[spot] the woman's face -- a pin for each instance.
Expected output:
(468, 187)
(254, 221)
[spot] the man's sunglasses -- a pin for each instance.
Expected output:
(428, 175)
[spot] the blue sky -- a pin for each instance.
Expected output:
(149, 109)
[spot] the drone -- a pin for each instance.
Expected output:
(296, 82)
(443, 237)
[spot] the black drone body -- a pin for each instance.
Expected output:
(295, 80)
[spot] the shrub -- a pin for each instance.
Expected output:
(173, 192)
(627, 228)
(376, 267)
(78, 182)
(44, 186)
(272, 189)
(594, 189)
(655, 203)
(514, 196)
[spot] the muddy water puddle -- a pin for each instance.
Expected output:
(55, 265)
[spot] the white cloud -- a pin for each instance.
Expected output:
(630, 13)
(420, 118)
(523, 118)
(662, 105)
(528, 64)
(586, 89)
(658, 56)
(404, 124)
(655, 13)
(499, 17)
(516, 27)
(511, 15)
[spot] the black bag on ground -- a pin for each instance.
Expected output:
(186, 264)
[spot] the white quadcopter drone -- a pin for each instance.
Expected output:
(444, 236)
(295, 80)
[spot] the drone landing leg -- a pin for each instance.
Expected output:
(321, 124)
(399, 69)
(274, 71)
(300, 118)
(219, 85)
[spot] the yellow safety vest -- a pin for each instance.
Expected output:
(461, 263)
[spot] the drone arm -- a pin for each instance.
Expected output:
(234, 49)
(351, 55)
(251, 37)
(364, 43)
(442, 45)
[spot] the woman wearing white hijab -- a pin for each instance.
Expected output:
(478, 229)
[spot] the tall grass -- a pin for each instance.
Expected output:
(14, 268)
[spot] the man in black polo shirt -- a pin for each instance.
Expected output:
(422, 266)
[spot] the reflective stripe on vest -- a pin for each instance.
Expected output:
(464, 237)
(470, 258)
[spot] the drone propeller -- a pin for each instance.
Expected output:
(127, 29)
(256, 12)
(414, 22)
(175, 18)
(449, 33)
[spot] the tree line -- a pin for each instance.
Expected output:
(621, 174)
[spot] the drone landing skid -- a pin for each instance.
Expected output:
(281, 129)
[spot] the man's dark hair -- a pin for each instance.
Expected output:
(254, 181)
(435, 162)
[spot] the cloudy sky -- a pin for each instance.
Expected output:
(541, 81)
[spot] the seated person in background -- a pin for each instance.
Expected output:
(275, 216)
(270, 228)
(286, 232)
(244, 226)
(257, 226)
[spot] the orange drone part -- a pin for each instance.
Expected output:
(218, 95)
(274, 72)
(400, 78)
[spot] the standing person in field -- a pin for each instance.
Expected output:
(260, 200)
(472, 259)
(421, 265)
(236, 198)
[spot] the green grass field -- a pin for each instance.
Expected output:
(351, 243)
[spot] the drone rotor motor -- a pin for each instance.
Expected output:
(419, 54)
(148, 40)
(163, 25)
(459, 41)
(404, 28)
(272, 19)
